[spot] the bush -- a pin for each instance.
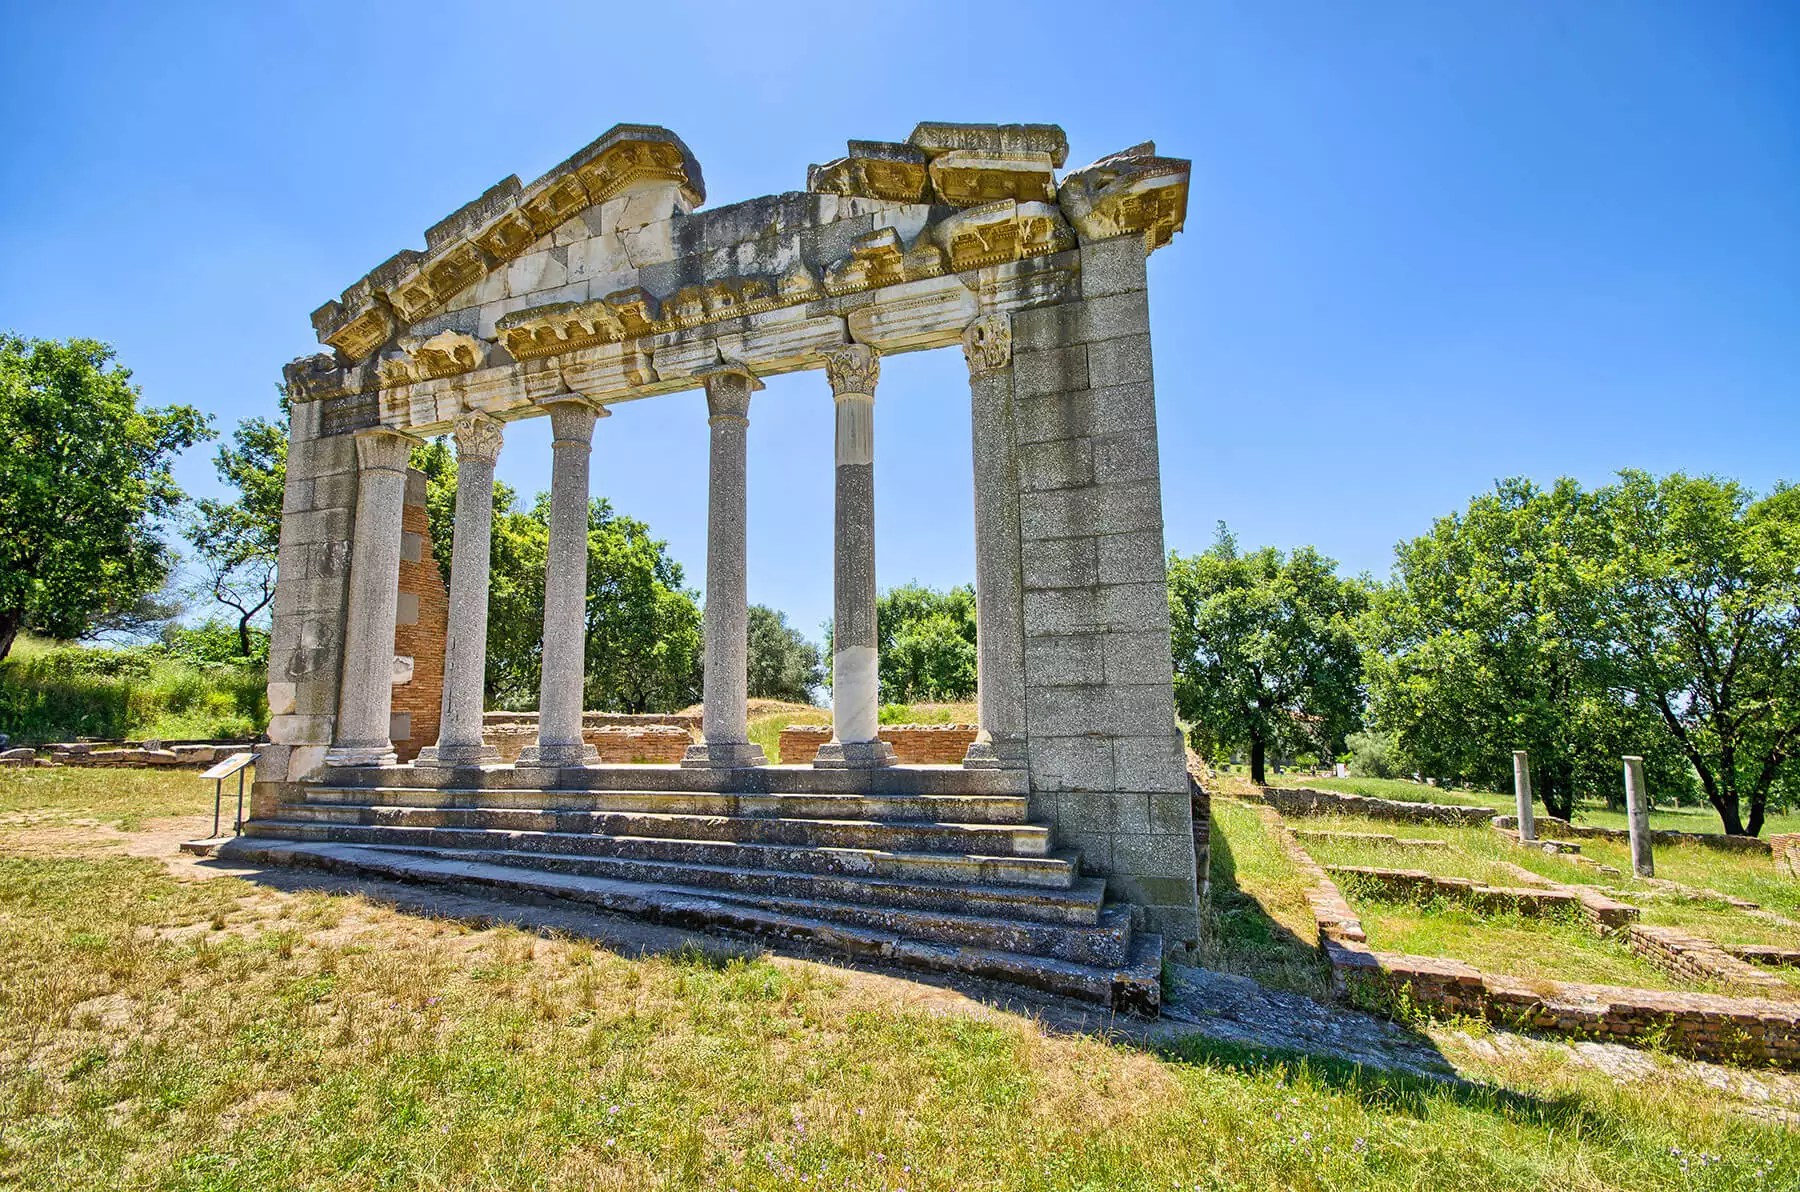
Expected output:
(57, 693)
(1374, 755)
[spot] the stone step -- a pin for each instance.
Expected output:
(1056, 871)
(1134, 986)
(1079, 906)
(1022, 840)
(961, 809)
(889, 780)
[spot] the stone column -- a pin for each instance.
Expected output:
(855, 667)
(999, 578)
(1522, 795)
(366, 697)
(724, 717)
(1637, 815)
(478, 438)
(559, 741)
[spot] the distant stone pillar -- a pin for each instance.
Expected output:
(559, 741)
(366, 695)
(725, 721)
(855, 666)
(1522, 794)
(1637, 814)
(478, 439)
(999, 578)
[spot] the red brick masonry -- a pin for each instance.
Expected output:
(914, 744)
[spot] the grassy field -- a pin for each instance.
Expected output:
(162, 1032)
(1258, 922)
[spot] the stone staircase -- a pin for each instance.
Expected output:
(932, 867)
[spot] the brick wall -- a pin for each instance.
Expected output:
(1786, 851)
(914, 744)
(421, 626)
(617, 744)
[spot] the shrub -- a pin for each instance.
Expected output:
(56, 693)
(1374, 755)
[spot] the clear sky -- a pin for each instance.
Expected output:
(1428, 245)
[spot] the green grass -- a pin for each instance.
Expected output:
(125, 798)
(1395, 788)
(207, 1035)
(765, 727)
(58, 693)
(1259, 923)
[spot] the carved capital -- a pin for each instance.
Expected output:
(382, 449)
(478, 437)
(853, 370)
(987, 344)
(729, 385)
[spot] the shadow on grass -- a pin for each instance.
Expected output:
(1243, 938)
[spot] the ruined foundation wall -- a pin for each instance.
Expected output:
(421, 627)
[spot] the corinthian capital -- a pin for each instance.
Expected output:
(478, 437)
(987, 344)
(852, 369)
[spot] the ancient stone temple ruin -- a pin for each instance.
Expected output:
(1060, 851)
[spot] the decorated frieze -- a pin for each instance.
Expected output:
(971, 177)
(1130, 191)
(878, 169)
(1001, 232)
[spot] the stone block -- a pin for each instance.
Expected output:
(1134, 608)
(1127, 406)
(1111, 316)
(300, 730)
(1058, 463)
(1060, 563)
(406, 609)
(1065, 711)
(1138, 657)
(1082, 763)
(1171, 812)
(1114, 266)
(334, 490)
(1096, 849)
(1125, 457)
(412, 546)
(1152, 763)
(1069, 661)
(1123, 508)
(281, 698)
(1055, 612)
(1097, 412)
(1050, 370)
(320, 525)
(1153, 854)
(1059, 513)
(1133, 711)
(297, 495)
(1134, 556)
(1121, 361)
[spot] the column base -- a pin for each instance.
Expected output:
(557, 757)
(446, 757)
(380, 754)
(724, 755)
(986, 753)
(854, 755)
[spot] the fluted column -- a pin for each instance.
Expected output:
(855, 672)
(999, 577)
(366, 694)
(563, 670)
(478, 437)
(725, 721)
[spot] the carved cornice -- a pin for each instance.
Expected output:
(1002, 232)
(987, 344)
(852, 370)
(423, 358)
(1130, 191)
(878, 169)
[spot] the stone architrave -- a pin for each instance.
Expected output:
(999, 582)
(1522, 795)
(1637, 817)
(559, 740)
(478, 440)
(855, 667)
(725, 721)
(365, 702)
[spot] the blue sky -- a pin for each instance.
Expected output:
(1427, 245)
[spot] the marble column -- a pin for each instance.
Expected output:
(1522, 795)
(478, 437)
(563, 670)
(855, 671)
(1637, 817)
(366, 694)
(725, 719)
(999, 578)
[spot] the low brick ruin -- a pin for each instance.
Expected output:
(1307, 801)
(913, 744)
(1560, 829)
(1785, 848)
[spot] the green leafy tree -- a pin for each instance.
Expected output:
(1265, 650)
(1485, 642)
(1696, 586)
(85, 486)
(783, 664)
(236, 541)
(926, 640)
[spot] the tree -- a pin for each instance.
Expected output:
(926, 643)
(237, 541)
(783, 664)
(1264, 648)
(1697, 592)
(1484, 643)
(85, 486)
